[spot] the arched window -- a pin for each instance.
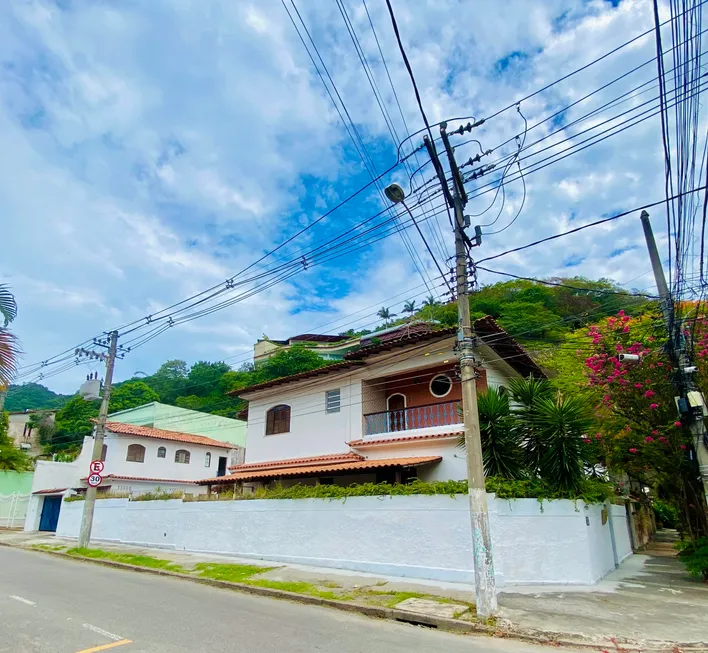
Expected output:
(182, 456)
(278, 420)
(440, 385)
(136, 453)
(161, 452)
(207, 459)
(104, 451)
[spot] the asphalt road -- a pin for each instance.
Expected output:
(52, 605)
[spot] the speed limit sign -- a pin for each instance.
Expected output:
(96, 467)
(94, 480)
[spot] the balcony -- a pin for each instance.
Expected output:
(428, 416)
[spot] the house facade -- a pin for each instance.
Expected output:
(389, 411)
(137, 459)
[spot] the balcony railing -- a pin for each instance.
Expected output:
(415, 417)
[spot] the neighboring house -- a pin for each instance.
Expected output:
(389, 411)
(21, 431)
(174, 418)
(138, 459)
(334, 348)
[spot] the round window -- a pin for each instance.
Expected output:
(441, 385)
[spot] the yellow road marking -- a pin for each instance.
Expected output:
(105, 646)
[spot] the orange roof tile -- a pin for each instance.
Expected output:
(54, 490)
(292, 462)
(118, 477)
(405, 438)
(161, 434)
(360, 465)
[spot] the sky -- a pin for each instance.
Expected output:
(153, 150)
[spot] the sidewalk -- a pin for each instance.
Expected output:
(649, 600)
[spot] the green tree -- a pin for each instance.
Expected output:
(289, 361)
(501, 450)
(409, 307)
(169, 381)
(203, 378)
(385, 314)
(530, 320)
(33, 396)
(131, 394)
(9, 346)
(11, 458)
(526, 393)
(73, 423)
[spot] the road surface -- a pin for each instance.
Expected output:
(52, 605)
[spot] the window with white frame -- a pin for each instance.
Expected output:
(333, 401)
(161, 452)
(207, 459)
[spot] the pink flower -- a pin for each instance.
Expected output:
(598, 436)
(649, 393)
(653, 406)
(621, 313)
(655, 432)
(648, 439)
(660, 364)
(683, 446)
(619, 347)
(632, 450)
(637, 385)
(626, 329)
(586, 440)
(606, 398)
(678, 424)
(662, 439)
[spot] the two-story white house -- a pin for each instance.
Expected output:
(389, 411)
(137, 459)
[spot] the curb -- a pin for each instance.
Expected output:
(505, 630)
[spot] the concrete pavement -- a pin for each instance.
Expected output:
(53, 605)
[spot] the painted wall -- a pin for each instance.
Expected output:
(15, 482)
(414, 536)
(174, 418)
(154, 467)
(313, 432)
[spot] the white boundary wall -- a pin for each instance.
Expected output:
(557, 542)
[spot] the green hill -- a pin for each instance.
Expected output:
(29, 396)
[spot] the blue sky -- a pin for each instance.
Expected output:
(152, 150)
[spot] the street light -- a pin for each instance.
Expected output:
(395, 193)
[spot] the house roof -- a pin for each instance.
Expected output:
(319, 469)
(487, 330)
(162, 434)
(54, 490)
(318, 337)
(293, 462)
(118, 477)
(358, 444)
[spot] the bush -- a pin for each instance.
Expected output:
(158, 495)
(694, 556)
(666, 514)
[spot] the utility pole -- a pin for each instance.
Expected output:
(485, 586)
(90, 502)
(692, 406)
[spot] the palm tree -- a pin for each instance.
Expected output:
(9, 349)
(409, 306)
(431, 303)
(526, 393)
(501, 445)
(385, 314)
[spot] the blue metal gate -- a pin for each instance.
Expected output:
(50, 514)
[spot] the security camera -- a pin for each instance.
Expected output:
(629, 357)
(690, 369)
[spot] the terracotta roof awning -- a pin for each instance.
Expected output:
(295, 462)
(321, 469)
(162, 434)
(54, 490)
(118, 477)
(358, 444)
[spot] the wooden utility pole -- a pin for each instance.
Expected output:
(485, 585)
(90, 502)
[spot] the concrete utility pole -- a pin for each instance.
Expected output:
(90, 502)
(687, 386)
(485, 585)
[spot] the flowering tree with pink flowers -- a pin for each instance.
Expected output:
(640, 433)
